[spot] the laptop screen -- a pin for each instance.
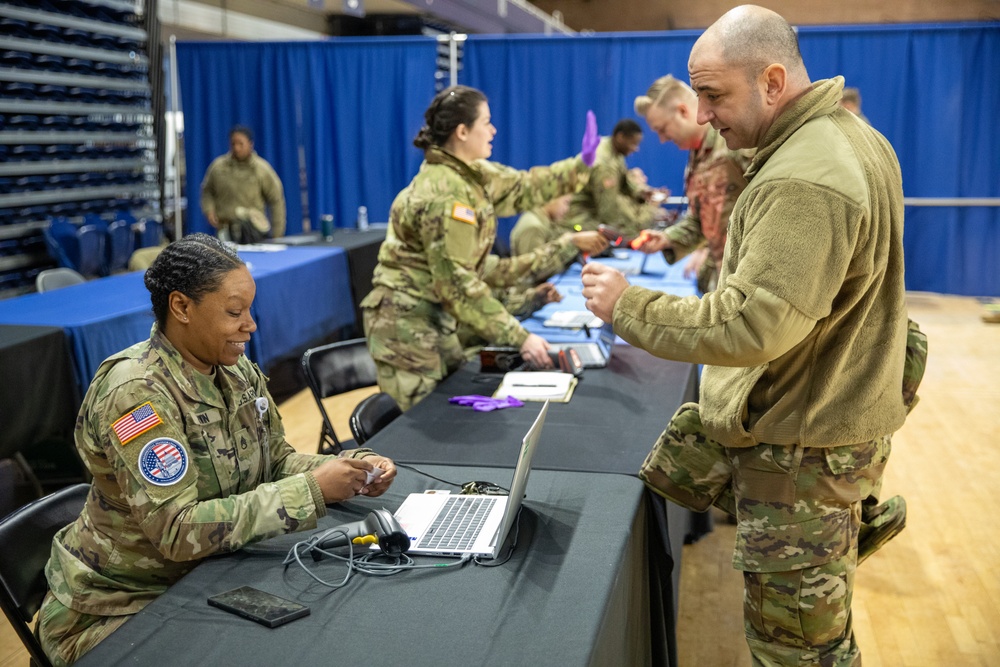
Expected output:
(528, 446)
(607, 338)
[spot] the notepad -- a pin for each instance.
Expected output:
(537, 386)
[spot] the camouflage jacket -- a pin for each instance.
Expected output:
(713, 181)
(251, 183)
(518, 297)
(185, 465)
(441, 229)
(533, 230)
(611, 197)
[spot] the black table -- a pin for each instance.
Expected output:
(572, 593)
(38, 398)
(609, 426)
(38, 406)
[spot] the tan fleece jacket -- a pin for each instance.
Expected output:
(805, 337)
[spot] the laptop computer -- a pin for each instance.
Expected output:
(593, 354)
(447, 524)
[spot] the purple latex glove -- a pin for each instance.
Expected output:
(486, 403)
(590, 140)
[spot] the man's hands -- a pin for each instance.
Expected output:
(655, 242)
(602, 287)
(695, 260)
(545, 293)
(213, 219)
(340, 479)
(590, 243)
(535, 351)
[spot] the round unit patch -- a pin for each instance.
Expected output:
(163, 461)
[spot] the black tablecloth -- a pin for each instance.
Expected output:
(608, 426)
(38, 397)
(573, 593)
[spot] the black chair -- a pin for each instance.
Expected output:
(336, 369)
(372, 415)
(27, 538)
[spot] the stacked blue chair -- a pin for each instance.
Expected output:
(119, 245)
(91, 239)
(62, 242)
(80, 248)
(149, 232)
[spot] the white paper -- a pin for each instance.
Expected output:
(535, 385)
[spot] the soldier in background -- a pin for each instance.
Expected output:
(187, 452)
(713, 180)
(615, 196)
(429, 277)
(237, 189)
(852, 102)
(539, 226)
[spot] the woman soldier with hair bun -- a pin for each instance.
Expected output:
(429, 277)
(187, 452)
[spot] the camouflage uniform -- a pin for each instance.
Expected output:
(521, 299)
(713, 181)
(533, 230)
(223, 477)
(798, 512)
(610, 198)
(430, 269)
(250, 183)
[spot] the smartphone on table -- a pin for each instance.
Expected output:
(264, 608)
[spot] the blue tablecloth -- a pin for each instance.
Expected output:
(655, 274)
(302, 294)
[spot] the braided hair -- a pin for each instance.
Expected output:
(453, 106)
(194, 266)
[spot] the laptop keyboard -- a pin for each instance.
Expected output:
(458, 524)
(588, 355)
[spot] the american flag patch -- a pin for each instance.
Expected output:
(137, 422)
(463, 213)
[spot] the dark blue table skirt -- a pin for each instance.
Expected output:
(302, 294)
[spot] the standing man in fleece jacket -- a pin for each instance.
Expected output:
(803, 341)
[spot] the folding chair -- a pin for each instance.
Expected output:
(372, 415)
(51, 279)
(27, 538)
(336, 369)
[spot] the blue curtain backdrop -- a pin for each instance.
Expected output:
(338, 115)
(931, 90)
(348, 109)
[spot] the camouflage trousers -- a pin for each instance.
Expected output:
(414, 344)
(65, 635)
(798, 512)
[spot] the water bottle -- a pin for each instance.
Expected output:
(326, 226)
(362, 218)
